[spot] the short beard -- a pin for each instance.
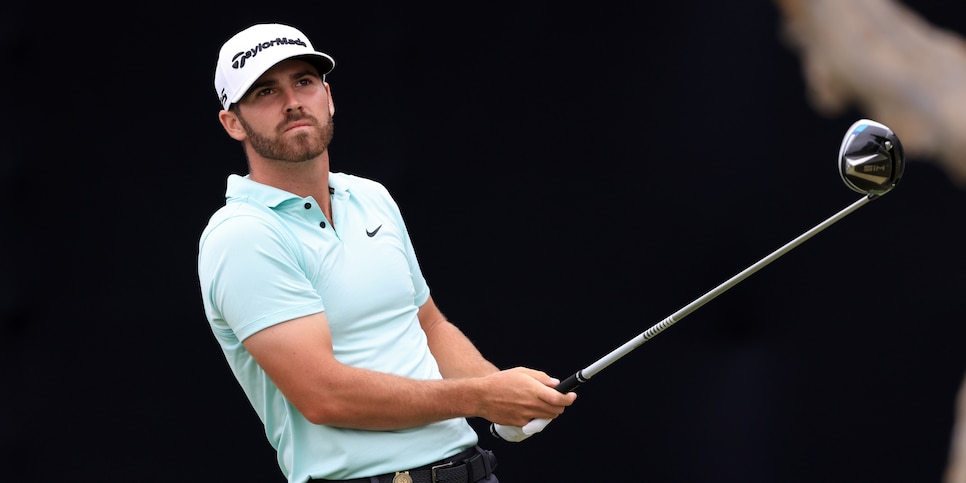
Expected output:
(303, 147)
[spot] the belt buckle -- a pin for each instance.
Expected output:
(439, 467)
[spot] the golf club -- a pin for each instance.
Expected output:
(871, 161)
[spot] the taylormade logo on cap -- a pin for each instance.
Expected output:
(238, 61)
(253, 51)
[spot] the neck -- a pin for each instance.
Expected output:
(309, 178)
(304, 178)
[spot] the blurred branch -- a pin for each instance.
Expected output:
(956, 466)
(886, 61)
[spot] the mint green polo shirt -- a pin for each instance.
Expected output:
(269, 256)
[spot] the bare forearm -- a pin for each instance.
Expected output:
(364, 399)
(456, 354)
(373, 400)
(297, 355)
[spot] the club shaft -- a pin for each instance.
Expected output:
(590, 371)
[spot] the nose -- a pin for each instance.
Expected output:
(292, 102)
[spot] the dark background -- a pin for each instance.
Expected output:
(570, 175)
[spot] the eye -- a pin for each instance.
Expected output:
(264, 92)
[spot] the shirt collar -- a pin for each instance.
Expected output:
(240, 187)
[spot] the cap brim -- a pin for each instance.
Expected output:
(322, 63)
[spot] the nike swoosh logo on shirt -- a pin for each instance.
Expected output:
(373, 232)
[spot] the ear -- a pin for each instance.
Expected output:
(229, 121)
(328, 92)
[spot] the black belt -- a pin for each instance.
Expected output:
(471, 465)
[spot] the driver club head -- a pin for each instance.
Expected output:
(871, 159)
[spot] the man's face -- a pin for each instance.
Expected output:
(287, 113)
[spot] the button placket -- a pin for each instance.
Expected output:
(308, 206)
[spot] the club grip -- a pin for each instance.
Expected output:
(568, 384)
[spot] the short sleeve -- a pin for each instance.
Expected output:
(252, 277)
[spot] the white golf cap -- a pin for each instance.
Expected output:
(251, 52)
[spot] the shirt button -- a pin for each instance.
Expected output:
(308, 205)
(322, 224)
